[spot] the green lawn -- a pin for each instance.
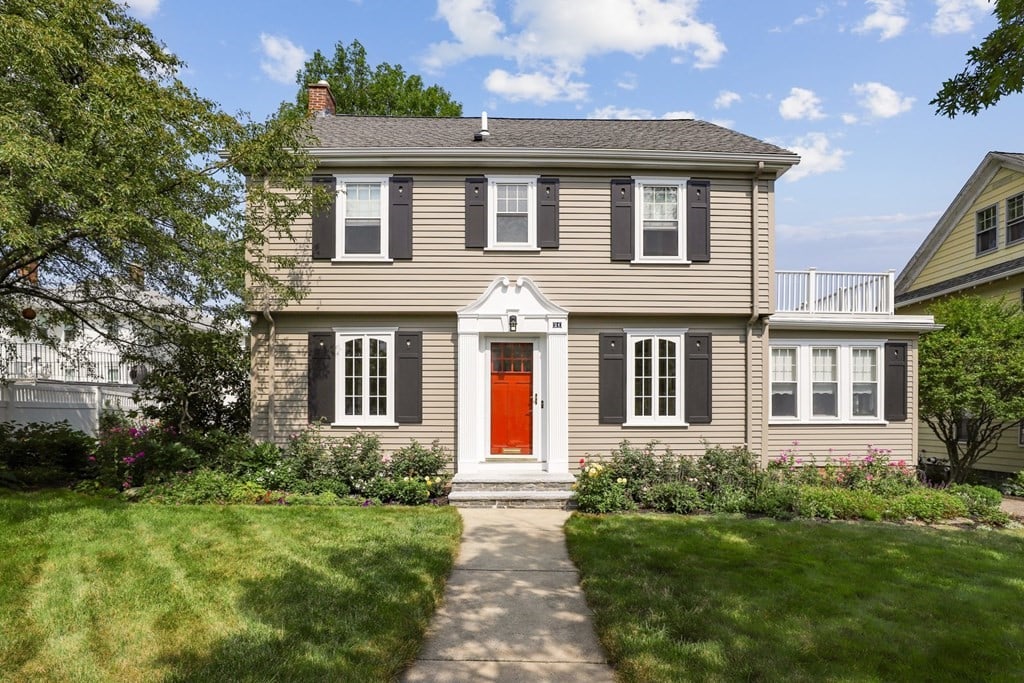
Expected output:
(95, 589)
(723, 599)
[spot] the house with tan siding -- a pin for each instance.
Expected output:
(530, 292)
(976, 248)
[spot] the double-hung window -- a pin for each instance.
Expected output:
(815, 382)
(1015, 218)
(660, 220)
(366, 395)
(512, 219)
(655, 377)
(985, 229)
(362, 218)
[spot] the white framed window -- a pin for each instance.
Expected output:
(660, 220)
(834, 381)
(362, 211)
(512, 213)
(654, 377)
(1015, 218)
(365, 392)
(986, 229)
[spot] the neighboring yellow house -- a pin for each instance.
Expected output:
(976, 248)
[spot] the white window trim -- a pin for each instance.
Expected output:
(994, 228)
(341, 335)
(804, 367)
(531, 213)
(341, 182)
(677, 335)
(638, 219)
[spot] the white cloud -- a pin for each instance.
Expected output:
(889, 19)
(860, 227)
(554, 38)
(958, 16)
(849, 119)
(724, 123)
(726, 98)
(801, 104)
(536, 86)
(613, 112)
(627, 82)
(681, 114)
(819, 13)
(881, 101)
(817, 155)
(283, 58)
(144, 9)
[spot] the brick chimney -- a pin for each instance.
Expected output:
(321, 101)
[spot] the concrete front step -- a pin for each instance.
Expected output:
(512, 489)
(478, 498)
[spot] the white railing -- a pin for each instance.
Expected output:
(78, 404)
(813, 292)
(32, 360)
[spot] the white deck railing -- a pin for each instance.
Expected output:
(32, 360)
(813, 292)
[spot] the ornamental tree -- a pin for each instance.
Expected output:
(126, 198)
(994, 68)
(972, 377)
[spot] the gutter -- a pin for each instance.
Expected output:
(755, 312)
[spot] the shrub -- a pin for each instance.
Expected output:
(415, 460)
(52, 451)
(318, 499)
(836, 503)
(642, 468)
(405, 491)
(927, 505)
(723, 473)
(193, 488)
(598, 491)
(980, 500)
(673, 496)
(774, 499)
(356, 460)
(1014, 486)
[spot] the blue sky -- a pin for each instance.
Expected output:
(845, 84)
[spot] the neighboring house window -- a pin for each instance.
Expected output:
(512, 222)
(660, 219)
(654, 378)
(985, 230)
(1015, 219)
(836, 382)
(366, 394)
(362, 218)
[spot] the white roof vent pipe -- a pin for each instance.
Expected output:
(484, 133)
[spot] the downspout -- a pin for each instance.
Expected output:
(271, 375)
(755, 311)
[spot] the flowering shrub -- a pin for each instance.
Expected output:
(599, 490)
(874, 472)
(673, 496)
(129, 454)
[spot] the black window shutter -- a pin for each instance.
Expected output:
(400, 218)
(622, 219)
(612, 379)
(698, 378)
(321, 376)
(325, 220)
(547, 213)
(698, 220)
(409, 378)
(476, 213)
(896, 382)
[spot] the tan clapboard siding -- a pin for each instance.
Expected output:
(818, 442)
(444, 276)
(765, 285)
(290, 389)
(588, 438)
(955, 256)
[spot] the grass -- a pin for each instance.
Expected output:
(98, 590)
(724, 599)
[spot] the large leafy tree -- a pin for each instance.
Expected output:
(127, 199)
(972, 377)
(994, 68)
(383, 90)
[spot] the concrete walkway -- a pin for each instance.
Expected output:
(513, 609)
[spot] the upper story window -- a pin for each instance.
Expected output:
(826, 382)
(362, 223)
(512, 220)
(1015, 219)
(654, 377)
(661, 220)
(985, 230)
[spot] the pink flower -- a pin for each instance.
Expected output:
(92, 458)
(583, 461)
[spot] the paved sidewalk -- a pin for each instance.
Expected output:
(513, 609)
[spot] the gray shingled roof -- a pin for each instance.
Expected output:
(676, 135)
(961, 281)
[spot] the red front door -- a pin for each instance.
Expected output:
(511, 398)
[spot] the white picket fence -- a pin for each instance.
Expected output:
(51, 401)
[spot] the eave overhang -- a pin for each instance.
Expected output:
(824, 323)
(507, 157)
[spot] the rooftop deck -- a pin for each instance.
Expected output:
(828, 293)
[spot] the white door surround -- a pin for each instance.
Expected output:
(513, 310)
